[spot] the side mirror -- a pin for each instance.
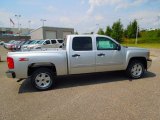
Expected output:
(118, 47)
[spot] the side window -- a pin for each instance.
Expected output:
(105, 44)
(60, 41)
(53, 41)
(47, 42)
(82, 44)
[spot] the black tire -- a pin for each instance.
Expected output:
(43, 79)
(135, 69)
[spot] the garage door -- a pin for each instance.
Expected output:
(66, 33)
(51, 35)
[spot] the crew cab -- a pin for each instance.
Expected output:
(82, 54)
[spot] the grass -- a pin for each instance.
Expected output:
(143, 45)
(147, 39)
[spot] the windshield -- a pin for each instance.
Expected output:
(12, 41)
(28, 42)
(37, 42)
(33, 42)
(41, 41)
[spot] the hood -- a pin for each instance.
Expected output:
(136, 48)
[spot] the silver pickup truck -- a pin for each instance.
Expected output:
(82, 54)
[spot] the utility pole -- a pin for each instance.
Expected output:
(97, 27)
(29, 26)
(42, 20)
(137, 30)
(158, 21)
(18, 17)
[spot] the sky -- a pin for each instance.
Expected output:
(83, 15)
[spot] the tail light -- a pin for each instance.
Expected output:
(10, 62)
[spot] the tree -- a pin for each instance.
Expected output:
(117, 31)
(108, 31)
(132, 29)
(129, 31)
(100, 31)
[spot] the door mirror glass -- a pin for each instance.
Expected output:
(118, 47)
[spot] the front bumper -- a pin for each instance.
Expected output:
(10, 74)
(149, 62)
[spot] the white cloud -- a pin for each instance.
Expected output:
(82, 2)
(50, 8)
(99, 17)
(118, 4)
(5, 18)
(125, 5)
(146, 18)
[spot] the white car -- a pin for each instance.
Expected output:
(29, 43)
(49, 43)
(1, 42)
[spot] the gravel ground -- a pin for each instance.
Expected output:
(100, 96)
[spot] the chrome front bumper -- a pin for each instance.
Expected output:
(149, 62)
(10, 74)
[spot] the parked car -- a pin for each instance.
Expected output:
(83, 54)
(49, 43)
(18, 46)
(24, 47)
(13, 47)
(1, 42)
(9, 45)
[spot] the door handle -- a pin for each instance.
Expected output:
(75, 55)
(101, 54)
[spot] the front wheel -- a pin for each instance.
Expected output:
(43, 79)
(135, 69)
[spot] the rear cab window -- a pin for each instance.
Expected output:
(82, 44)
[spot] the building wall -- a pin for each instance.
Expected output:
(41, 33)
(8, 38)
(14, 31)
(37, 34)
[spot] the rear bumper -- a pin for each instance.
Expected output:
(10, 74)
(149, 62)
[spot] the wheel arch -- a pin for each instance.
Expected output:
(143, 60)
(34, 66)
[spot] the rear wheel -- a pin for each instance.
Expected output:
(135, 69)
(43, 79)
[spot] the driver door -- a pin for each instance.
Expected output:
(108, 58)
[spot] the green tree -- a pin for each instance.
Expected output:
(100, 31)
(117, 31)
(132, 30)
(108, 31)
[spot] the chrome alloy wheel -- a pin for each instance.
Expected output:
(43, 80)
(136, 70)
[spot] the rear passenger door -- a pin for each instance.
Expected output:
(82, 56)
